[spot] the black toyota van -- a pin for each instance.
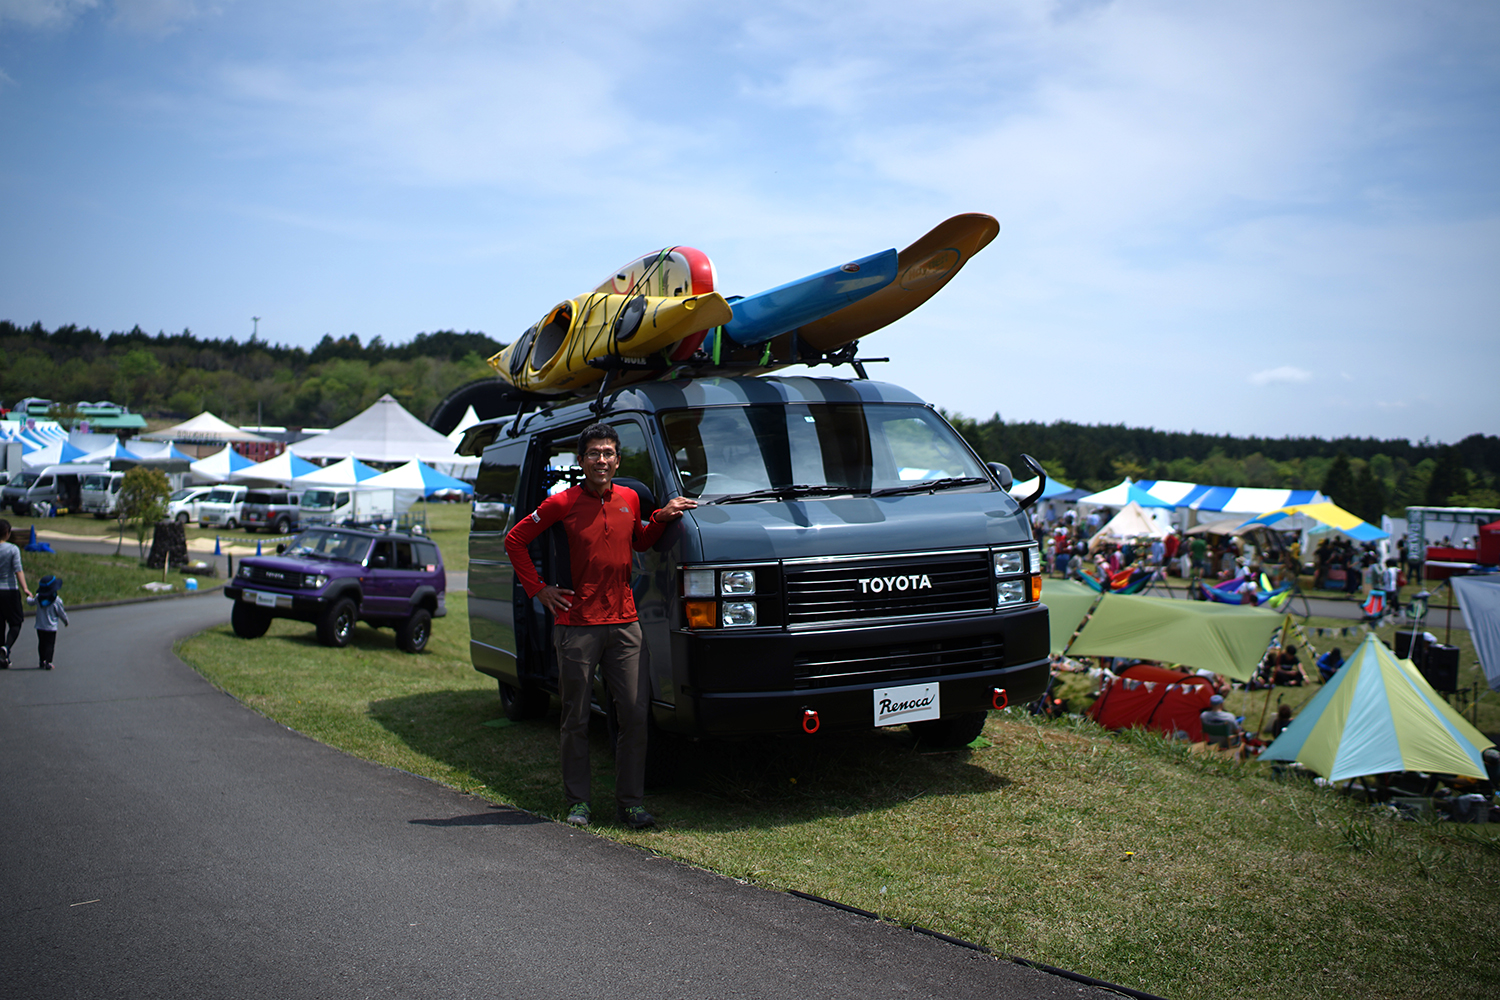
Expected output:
(851, 564)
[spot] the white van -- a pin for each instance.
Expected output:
(56, 486)
(182, 506)
(222, 507)
(101, 493)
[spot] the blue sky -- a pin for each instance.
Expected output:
(1270, 218)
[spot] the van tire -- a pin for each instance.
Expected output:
(336, 627)
(283, 525)
(412, 634)
(182, 518)
(520, 704)
(950, 733)
(249, 621)
(231, 524)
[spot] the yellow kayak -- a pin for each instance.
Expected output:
(553, 356)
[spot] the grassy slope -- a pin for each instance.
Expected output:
(1127, 858)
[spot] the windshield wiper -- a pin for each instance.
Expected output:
(791, 492)
(930, 485)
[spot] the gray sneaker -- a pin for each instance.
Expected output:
(634, 817)
(578, 814)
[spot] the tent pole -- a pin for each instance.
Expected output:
(1280, 644)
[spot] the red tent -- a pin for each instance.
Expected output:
(1155, 698)
(1489, 543)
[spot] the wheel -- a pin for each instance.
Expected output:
(412, 634)
(520, 704)
(337, 624)
(231, 524)
(182, 518)
(283, 525)
(249, 621)
(954, 731)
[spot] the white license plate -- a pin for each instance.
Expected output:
(261, 597)
(913, 703)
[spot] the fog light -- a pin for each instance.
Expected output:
(1010, 591)
(738, 613)
(700, 614)
(697, 583)
(737, 581)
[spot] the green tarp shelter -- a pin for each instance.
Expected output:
(1378, 715)
(1229, 639)
(1067, 602)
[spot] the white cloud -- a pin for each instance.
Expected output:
(1286, 373)
(43, 13)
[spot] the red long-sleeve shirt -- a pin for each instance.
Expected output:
(602, 531)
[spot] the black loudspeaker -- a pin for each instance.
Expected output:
(1404, 650)
(1440, 667)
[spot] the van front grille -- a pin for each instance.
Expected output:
(917, 586)
(906, 662)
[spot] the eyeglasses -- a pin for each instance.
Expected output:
(594, 455)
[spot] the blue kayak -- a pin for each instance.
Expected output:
(759, 317)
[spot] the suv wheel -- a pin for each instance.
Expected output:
(283, 525)
(249, 621)
(952, 732)
(520, 704)
(337, 624)
(412, 634)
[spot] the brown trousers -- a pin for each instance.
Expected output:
(617, 650)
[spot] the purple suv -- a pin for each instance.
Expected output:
(333, 577)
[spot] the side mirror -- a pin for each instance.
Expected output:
(1041, 480)
(379, 562)
(1002, 473)
(280, 548)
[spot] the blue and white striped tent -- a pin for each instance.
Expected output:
(1226, 499)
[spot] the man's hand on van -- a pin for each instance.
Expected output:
(555, 599)
(675, 507)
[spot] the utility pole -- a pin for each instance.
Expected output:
(255, 330)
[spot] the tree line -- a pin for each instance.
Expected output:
(1366, 476)
(180, 375)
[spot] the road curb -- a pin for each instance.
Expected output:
(144, 599)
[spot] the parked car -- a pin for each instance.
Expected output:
(333, 577)
(351, 508)
(182, 506)
(221, 508)
(275, 510)
(101, 493)
(54, 486)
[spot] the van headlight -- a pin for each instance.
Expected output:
(730, 596)
(737, 613)
(1018, 575)
(737, 581)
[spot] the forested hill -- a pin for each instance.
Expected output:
(180, 375)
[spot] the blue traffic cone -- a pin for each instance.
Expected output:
(257, 546)
(216, 546)
(32, 542)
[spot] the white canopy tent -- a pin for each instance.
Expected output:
(385, 433)
(1131, 522)
(282, 470)
(218, 467)
(345, 472)
(205, 428)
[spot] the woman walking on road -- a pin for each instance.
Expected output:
(12, 586)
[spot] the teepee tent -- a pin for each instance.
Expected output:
(346, 472)
(415, 481)
(1131, 522)
(1378, 715)
(1479, 600)
(281, 470)
(220, 466)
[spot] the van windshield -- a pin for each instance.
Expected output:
(24, 479)
(220, 496)
(317, 499)
(824, 448)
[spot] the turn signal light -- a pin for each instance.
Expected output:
(701, 614)
(1036, 588)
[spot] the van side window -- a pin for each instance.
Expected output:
(495, 489)
(635, 458)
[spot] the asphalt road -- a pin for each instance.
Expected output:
(163, 841)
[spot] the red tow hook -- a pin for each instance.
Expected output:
(998, 698)
(810, 721)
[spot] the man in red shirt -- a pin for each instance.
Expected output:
(595, 621)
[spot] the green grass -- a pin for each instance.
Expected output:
(1129, 857)
(90, 578)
